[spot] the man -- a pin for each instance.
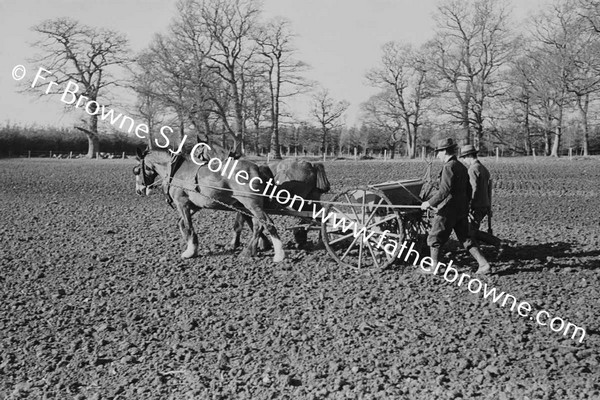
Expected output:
(451, 202)
(480, 205)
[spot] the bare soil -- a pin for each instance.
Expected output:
(95, 302)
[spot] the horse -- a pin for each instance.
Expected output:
(194, 186)
(300, 178)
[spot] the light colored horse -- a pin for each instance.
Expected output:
(194, 187)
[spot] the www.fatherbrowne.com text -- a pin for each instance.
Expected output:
(451, 274)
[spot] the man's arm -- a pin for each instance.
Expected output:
(445, 185)
(474, 176)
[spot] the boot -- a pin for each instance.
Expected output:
(484, 266)
(434, 254)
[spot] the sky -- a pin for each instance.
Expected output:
(340, 40)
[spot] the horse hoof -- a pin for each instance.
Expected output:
(245, 254)
(187, 255)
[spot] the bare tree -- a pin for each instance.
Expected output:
(471, 44)
(275, 42)
(258, 106)
(404, 78)
(381, 112)
(590, 11)
(148, 106)
(86, 56)
(521, 76)
(164, 67)
(228, 25)
(584, 52)
(328, 113)
(558, 33)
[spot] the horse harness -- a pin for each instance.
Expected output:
(148, 179)
(172, 168)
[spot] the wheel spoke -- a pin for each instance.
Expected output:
(339, 239)
(352, 207)
(382, 221)
(363, 209)
(372, 254)
(360, 252)
(349, 248)
(338, 211)
(374, 211)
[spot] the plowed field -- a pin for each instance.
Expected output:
(95, 302)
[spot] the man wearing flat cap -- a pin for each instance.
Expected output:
(451, 203)
(479, 179)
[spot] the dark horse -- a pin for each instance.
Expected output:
(193, 187)
(300, 178)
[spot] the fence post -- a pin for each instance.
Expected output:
(497, 154)
(50, 153)
(97, 156)
(533, 152)
(123, 156)
(570, 153)
(268, 157)
(70, 155)
(29, 154)
(324, 156)
(355, 154)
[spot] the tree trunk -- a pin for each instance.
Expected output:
(557, 133)
(411, 143)
(324, 143)
(528, 146)
(465, 123)
(275, 147)
(238, 138)
(478, 132)
(256, 136)
(583, 108)
(93, 139)
(93, 145)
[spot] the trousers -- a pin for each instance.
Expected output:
(442, 227)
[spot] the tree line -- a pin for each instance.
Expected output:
(222, 72)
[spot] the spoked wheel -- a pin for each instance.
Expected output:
(360, 225)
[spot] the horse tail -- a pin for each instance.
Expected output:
(322, 181)
(265, 172)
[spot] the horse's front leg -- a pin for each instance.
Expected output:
(187, 232)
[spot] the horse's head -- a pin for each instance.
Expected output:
(145, 173)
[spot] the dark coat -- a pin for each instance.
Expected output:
(479, 179)
(454, 193)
